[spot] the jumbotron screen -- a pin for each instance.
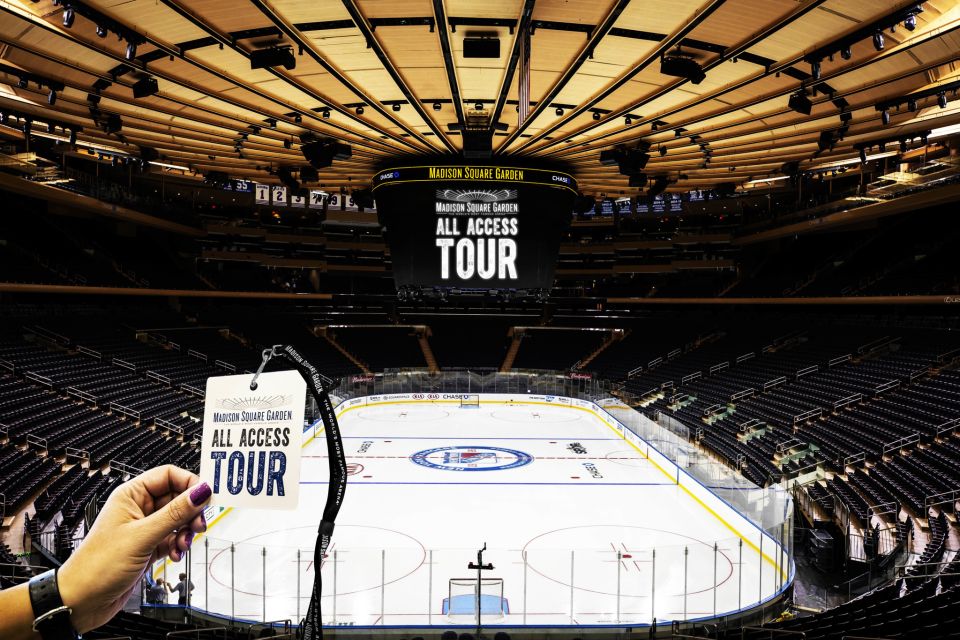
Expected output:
(474, 227)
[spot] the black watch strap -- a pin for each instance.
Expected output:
(51, 617)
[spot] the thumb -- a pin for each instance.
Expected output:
(178, 512)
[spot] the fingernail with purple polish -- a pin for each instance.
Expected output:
(203, 520)
(200, 494)
(189, 539)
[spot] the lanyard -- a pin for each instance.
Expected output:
(310, 627)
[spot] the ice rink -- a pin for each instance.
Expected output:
(580, 526)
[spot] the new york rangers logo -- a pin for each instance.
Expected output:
(468, 458)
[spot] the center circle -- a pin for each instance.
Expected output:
(471, 458)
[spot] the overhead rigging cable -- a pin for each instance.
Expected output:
(311, 626)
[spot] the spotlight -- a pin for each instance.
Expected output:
(559, 111)
(273, 57)
(102, 31)
(297, 118)
(910, 22)
(628, 121)
(478, 106)
(882, 146)
(360, 110)
(903, 146)
(326, 114)
(287, 144)
(878, 41)
(942, 99)
(912, 104)
(396, 106)
(800, 103)
(145, 87)
(863, 156)
(52, 97)
(815, 70)
(68, 17)
(885, 116)
(663, 151)
(596, 115)
(27, 127)
(437, 106)
(682, 67)
(846, 53)
(131, 50)
(22, 82)
(73, 137)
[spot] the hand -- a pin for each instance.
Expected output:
(152, 516)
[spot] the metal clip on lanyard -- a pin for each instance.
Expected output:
(311, 626)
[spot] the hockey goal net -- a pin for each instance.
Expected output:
(462, 598)
(470, 400)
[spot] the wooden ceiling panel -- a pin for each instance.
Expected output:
(591, 12)
(212, 94)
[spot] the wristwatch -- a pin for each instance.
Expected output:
(51, 616)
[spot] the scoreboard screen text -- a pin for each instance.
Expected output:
(474, 226)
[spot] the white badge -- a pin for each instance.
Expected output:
(250, 453)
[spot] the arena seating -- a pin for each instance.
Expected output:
(382, 347)
(557, 349)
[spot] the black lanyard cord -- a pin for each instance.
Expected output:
(311, 626)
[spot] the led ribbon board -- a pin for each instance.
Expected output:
(474, 227)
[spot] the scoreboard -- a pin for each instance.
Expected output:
(467, 226)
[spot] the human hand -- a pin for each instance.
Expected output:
(151, 516)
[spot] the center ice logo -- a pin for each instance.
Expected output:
(471, 458)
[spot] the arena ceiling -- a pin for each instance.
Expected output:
(389, 77)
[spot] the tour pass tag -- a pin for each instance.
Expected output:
(250, 453)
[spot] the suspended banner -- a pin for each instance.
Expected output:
(262, 193)
(335, 202)
(298, 201)
(279, 195)
(318, 199)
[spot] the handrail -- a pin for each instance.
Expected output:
(886, 386)
(270, 624)
(673, 354)
(842, 402)
(82, 395)
(9, 366)
(159, 377)
(89, 352)
(839, 360)
(901, 443)
(855, 458)
(720, 366)
(226, 365)
(119, 408)
(654, 363)
(123, 363)
(187, 632)
(36, 377)
(774, 632)
(949, 425)
(192, 390)
(806, 415)
(746, 356)
(946, 497)
(807, 370)
(776, 382)
(746, 393)
(634, 371)
(198, 355)
(169, 426)
(691, 376)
